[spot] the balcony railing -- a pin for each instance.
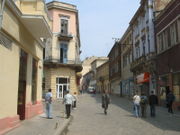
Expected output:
(59, 61)
(64, 36)
(137, 62)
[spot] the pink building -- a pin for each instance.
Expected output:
(62, 56)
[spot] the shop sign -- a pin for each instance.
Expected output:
(142, 78)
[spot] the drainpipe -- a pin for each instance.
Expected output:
(1, 12)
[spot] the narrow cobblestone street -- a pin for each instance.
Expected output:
(89, 119)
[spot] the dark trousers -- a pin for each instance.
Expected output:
(152, 109)
(105, 108)
(170, 110)
(74, 104)
(68, 110)
(143, 110)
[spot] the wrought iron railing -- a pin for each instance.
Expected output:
(56, 60)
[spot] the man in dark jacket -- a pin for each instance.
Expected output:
(170, 100)
(153, 101)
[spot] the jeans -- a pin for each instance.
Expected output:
(137, 107)
(48, 110)
(152, 109)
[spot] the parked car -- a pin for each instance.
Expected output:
(91, 90)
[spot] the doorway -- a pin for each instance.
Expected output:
(22, 85)
(62, 85)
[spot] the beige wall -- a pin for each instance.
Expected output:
(52, 73)
(9, 74)
(36, 7)
(9, 59)
(127, 39)
(103, 71)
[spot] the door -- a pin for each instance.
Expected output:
(22, 85)
(59, 91)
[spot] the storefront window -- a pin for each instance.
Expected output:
(176, 86)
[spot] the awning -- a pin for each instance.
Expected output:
(37, 25)
(142, 78)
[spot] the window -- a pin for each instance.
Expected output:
(34, 81)
(137, 48)
(64, 26)
(143, 44)
(173, 34)
(165, 38)
(63, 52)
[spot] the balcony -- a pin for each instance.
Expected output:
(137, 62)
(56, 63)
(65, 36)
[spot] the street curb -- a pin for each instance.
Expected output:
(65, 125)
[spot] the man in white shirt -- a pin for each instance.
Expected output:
(48, 100)
(68, 100)
(137, 100)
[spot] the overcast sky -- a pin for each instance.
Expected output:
(100, 21)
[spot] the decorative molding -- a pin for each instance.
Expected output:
(5, 41)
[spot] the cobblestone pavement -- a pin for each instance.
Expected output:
(89, 119)
(40, 125)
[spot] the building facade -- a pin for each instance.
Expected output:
(143, 48)
(102, 78)
(23, 26)
(86, 64)
(94, 65)
(62, 56)
(127, 80)
(115, 69)
(167, 26)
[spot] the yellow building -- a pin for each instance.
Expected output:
(23, 26)
(86, 64)
(62, 57)
(102, 77)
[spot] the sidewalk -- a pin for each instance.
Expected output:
(40, 125)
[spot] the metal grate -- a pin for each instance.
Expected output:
(5, 41)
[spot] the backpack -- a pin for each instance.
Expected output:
(143, 100)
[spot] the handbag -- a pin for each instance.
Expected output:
(103, 105)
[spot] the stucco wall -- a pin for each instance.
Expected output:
(9, 69)
(9, 66)
(55, 14)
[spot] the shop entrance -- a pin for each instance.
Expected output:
(22, 85)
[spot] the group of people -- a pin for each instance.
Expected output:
(69, 101)
(141, 102)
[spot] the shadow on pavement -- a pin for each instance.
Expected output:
(163, 120)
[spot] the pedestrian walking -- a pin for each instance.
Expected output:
(153, 101)
(105, 101)
(170, 100)
(143, 104)
(48, 101)
(136, 100)
(74, 100)
(68, 100)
